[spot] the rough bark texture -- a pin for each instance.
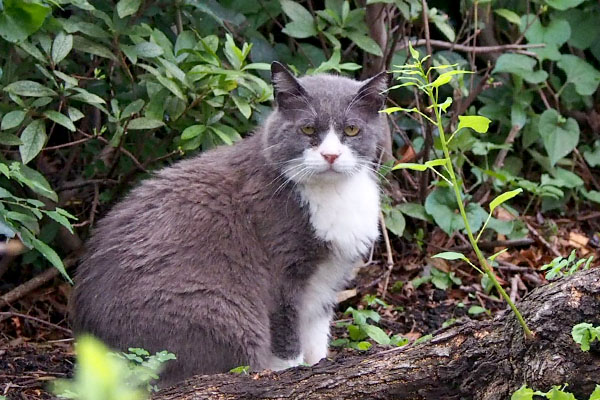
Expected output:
(479, 360)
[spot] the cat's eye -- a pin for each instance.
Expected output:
(351, 130)
(308, 130)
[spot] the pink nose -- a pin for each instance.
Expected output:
(330, 157)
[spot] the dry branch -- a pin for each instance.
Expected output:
(480, 360)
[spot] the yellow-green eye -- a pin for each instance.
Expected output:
(308, 130)
(351, 130)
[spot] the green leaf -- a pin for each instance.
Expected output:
(451, 255)
(509, 15)
(476, 310)
(87, 97)
(61, 219)
(68, 79)
(172, 86)
(148, 50)
(303, 22)
(126, 8)
(144, 123)
(61, 46)
(441, 205)
(192, 131)
(366, 43)
(580, 73)
(446, 77)
(19, 19)
(413, 166)
(477, 123)
(60, 119)
(132, 108)
(363, 346)
(564, 4)
(553, 35)
(33, 138)
(414, 53)
(447, 103)
(592, 195)
(51, 256)
(376, 333)
(243, 106)
(524, 393)
(88, 46)
(300, 29)
(414, 210)
(582, 335)
(595, 394)
(503, 198)
(12, 119)
(394, 221)
(34, 180)
(29, 89)
(295, 11)
(74, 114)
(559, 138)
(9, 139)
(520, 65)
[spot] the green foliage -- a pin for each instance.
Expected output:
(102, 375)
(181, 91)
(361, 328)
(584, 334)
(562, 266)
(438, 278)
(242, 369)
(556, 393)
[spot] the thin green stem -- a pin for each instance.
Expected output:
(482, 261)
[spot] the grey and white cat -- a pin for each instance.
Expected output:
(235, 257)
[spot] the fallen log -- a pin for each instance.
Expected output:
(485, 360)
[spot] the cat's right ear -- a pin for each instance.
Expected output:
(287, 89)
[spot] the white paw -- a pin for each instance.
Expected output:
(277, 364)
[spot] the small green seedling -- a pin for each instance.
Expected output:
(562, 266)
(423, 80)
(584, 334)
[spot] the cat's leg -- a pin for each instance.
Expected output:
(286, 349)
(314, 333)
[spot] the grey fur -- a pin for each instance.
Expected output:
(208, 258)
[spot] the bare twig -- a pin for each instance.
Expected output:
(478, 49)
(9, 314)
(509, 140)
(73, 143)
(121, 149)
(541, 239)
(427, 35)
(390, 259)
(35, 282)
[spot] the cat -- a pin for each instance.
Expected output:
(234, 257)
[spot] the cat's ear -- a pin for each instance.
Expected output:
(373, 92)
(287, 89)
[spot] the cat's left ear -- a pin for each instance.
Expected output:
(373, 92)
(287, 90)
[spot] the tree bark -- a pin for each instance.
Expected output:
(475, 360)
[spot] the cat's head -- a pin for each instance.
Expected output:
(324, 126)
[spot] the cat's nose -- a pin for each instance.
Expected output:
(330, 157)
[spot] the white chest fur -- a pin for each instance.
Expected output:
(346, 215)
